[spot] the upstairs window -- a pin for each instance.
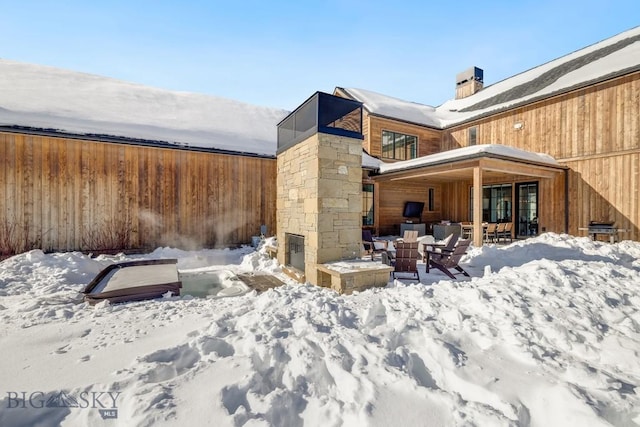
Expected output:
(473, 135)
(399, 146)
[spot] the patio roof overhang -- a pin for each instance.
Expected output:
(476, 165)
(463, 169)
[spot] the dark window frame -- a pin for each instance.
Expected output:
(473, 135)
(368, 193)
(497, 202)
(431, 199)
(403, 146)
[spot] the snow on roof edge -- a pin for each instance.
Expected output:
(448, 115)
(370, 162)
(465, 152)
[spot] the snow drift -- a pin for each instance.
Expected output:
(547, 332)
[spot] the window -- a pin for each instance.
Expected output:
(473, 135)
(399, 146)
(496, 203)
(431, 205)
(367, 204)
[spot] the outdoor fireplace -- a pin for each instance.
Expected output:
(319, 185)
(294, 251)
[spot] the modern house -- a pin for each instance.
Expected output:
(94, 163)
(582, 110)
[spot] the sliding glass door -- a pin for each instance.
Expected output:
(527, 209)
(496, 203)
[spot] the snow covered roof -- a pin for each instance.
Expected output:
(48, 98)
(394, 108)
(370, 162)
(495, 150)
(609, 58)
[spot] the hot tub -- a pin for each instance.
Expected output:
(211, 284)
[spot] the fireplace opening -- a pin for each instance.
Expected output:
(295, 251)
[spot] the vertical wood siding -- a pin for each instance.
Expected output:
(69, 194)
(595, 131)
(392, 197)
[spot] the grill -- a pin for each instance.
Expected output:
(606, 228)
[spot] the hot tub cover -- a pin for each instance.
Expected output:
(134, 281)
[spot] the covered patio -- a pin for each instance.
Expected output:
(461, 174)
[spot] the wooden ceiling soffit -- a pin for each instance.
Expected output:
(519, 168)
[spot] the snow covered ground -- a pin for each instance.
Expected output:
(548, 335)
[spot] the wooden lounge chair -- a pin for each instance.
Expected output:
(410, 236)
(436, 248)
(447, 260)
(406, 259)
(370, 246)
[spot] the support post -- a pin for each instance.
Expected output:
(477, 206)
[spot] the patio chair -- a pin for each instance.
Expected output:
(467, 229)
(425, 242)
(505, 233)
(371, 245)
(409, 236)
(447, 245)
(406, 259)
(490, 232)
(447, 260)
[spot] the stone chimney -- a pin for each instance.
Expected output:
(469, 82)
(319, 185)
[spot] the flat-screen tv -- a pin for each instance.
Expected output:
(413, 210)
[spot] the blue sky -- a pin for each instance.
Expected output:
(277, 53)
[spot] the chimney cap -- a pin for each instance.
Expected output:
(473, 73)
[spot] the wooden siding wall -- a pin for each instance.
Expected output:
(595, 131)
(391, 199)
(68, 194)
(605, 188)
(428, 139)
(601, 119)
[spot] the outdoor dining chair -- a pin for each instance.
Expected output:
(490, 232)
(505, 233)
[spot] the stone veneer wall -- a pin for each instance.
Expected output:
(319, 196)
